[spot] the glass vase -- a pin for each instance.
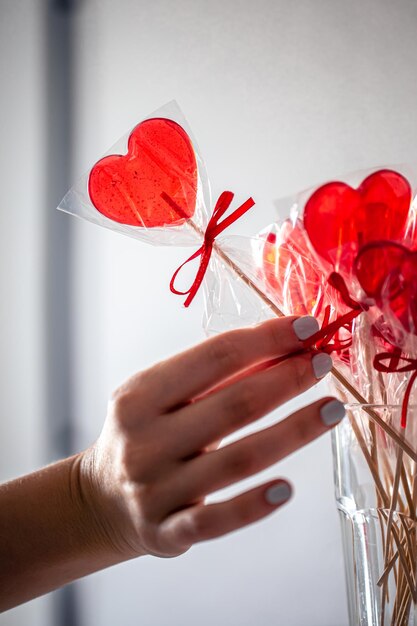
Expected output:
(376, 495)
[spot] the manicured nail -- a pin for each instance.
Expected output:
(332, 412)
(305, 327)
(277, 494)
(322, 364)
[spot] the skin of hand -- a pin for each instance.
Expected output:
(158, 457)
(141, 488)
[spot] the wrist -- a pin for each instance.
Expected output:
(51, 532)
(108, 522)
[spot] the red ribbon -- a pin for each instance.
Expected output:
(213, 229)
(322, 338)
(395, 358)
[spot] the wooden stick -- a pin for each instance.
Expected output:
(407, 492)
(407, 535)
(388, 568)
(405, 568)
(385, 598)
(403, 573)
(363, 447)
(403, 560)
(407, 541)
(393, 503)
(405, 609)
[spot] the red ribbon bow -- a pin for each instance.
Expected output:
(213, 229)
(322, 338)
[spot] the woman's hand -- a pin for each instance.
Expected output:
(145, 480)
(141, 488)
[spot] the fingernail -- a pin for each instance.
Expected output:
(322, 364)
(305, 327)
(277, 494)
(332, 412)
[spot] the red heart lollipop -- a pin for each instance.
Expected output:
(160, 158)
(387, 272)
(339, 219)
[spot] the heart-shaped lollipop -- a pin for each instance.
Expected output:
(160, 159)
(340, 220)
(387, 272)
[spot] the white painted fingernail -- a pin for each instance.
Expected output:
(277, 494)
(322, 364)
(305, 327)
(332, 412)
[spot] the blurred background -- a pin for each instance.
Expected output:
(281, 96)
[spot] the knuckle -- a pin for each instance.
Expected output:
(243, 513)
(120, 397)
(224, 350)
(141, 497)
(141, 461)
(196, 528)
(147, 377)
(148, 495)
(239, 464)
(298, 370)
(124, 400)
(127, 466)
(243, 405)
(131, 462)
(121, 403)
(275, 333)
(303, 430)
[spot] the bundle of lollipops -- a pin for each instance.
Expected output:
(345, 255)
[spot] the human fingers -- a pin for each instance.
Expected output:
(196, 426)
(179, 379)
(211, 471)
(208, 521)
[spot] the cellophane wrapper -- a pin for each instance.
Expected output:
(77, 201)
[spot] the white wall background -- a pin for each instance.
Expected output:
(281, 95)
(22, 284)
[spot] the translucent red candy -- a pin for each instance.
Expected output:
(339, 219)
(160, 158)
(387, 272)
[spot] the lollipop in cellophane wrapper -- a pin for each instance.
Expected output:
(123, 191)
(345, 254)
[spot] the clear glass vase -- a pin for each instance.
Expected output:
(376, 494)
